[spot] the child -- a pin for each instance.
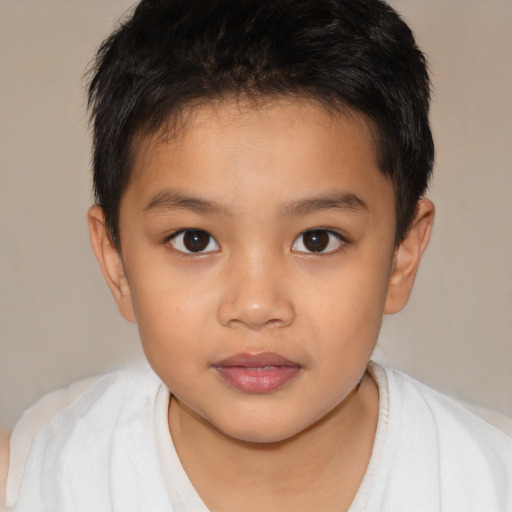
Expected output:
(259, 169)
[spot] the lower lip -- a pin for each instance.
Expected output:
(257, 380)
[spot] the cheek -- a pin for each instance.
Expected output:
(171, 310)
(172, 338)
(349, 308)
(357, 291)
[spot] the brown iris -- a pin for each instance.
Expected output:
(196, 240)
(316, 240)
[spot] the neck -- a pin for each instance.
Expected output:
(319, 468)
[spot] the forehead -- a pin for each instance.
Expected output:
(232, 148)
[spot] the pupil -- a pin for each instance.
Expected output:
(316, 241)
(196, 241)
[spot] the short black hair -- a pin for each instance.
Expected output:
(349, 54)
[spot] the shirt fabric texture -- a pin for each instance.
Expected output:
(104, 445)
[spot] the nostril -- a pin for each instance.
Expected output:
(274, 323)
(272, 313)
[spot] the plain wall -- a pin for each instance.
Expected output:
(57, 319)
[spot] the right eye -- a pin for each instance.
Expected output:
(318, 241)
(193, 241)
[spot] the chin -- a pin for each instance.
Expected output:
(262, 432)
(261, 437)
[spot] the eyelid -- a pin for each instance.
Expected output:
(343, 241)
(183, 250)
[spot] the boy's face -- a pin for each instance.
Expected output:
(257, 252)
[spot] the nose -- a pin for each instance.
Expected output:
(256, 295)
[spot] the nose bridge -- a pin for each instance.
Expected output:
(256, 293)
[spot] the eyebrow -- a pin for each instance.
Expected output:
(345, 201)
(170, 200)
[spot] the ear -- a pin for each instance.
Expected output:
(110, 262)
(407, 258)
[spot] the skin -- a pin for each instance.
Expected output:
(256, 179)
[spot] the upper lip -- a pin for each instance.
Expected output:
(248, 360)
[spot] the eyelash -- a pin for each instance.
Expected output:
(183, 250)
(342, 241)
(182, 232)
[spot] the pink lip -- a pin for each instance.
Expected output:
(257, 373)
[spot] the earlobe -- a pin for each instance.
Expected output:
(110, 262)
(407, 258)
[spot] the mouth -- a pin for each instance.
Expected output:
(257, 373)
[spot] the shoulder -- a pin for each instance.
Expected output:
(77, 398)
(420, 404)
(84, 394)
(432, 437)
(4, 462)
(417, 398)
(46, 416)
(91, 430)
(14, 449)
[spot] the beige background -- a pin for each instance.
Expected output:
(57, 319)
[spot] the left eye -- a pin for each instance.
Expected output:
(194, 241)
(318, 240)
